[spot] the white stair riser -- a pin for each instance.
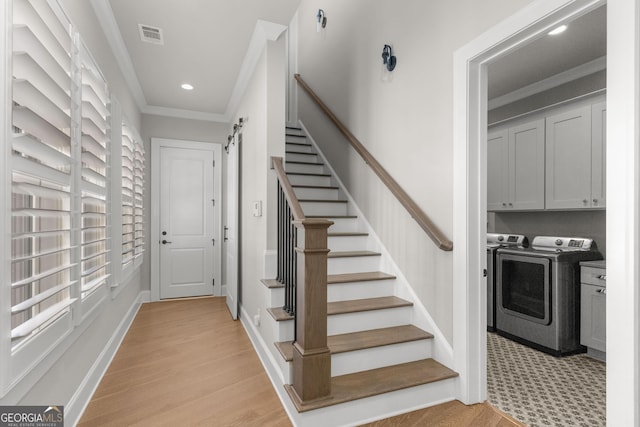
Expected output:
(359, 290)
(344, 225)
(309, 180)
(276, 297)
(378, 357)
(348, 243)
(285, 367)
(295, 157)
(353, 264)
(366, 320)
(283, 329)
(320, 208)
(296, 138)
(305, 148)
(316, 193)
(304, 168)
(293, 131)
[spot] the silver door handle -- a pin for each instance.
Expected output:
(164, 242)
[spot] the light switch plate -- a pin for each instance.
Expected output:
(257, 208)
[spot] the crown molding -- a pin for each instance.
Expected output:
(556, 80)
(264, 31)
(107, 20)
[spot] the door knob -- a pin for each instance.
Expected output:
(164, 242)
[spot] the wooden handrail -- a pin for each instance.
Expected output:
(296, 209)
(409, 204)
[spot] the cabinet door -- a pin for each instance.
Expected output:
(526, 166)
(497, 164)
(598, 154)
(593, 317)
(568, 154)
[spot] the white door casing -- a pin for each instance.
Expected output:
(186, 184)
(470, 177)
(231, 227)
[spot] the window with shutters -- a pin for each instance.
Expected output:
(42, 175)
(128, 197)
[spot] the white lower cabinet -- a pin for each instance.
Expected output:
(593, 307)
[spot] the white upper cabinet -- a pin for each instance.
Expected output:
(573, 163)
(516, 167)
(598, 154)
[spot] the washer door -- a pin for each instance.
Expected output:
(524, 287)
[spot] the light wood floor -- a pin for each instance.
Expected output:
(186, 363)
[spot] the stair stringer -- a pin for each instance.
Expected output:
(442, 350)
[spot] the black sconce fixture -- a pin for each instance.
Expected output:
(388, 58)
(236, 129)
(321, 20)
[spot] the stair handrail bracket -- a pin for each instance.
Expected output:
(405, 200)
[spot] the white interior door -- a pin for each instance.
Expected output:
(186, 222)
(231, 228)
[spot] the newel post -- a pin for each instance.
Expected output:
(311, 356)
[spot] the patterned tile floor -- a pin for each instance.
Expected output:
(540, 390)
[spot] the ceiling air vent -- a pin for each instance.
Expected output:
(150, 34)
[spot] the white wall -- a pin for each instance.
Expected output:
(405, 122)
(263, 109)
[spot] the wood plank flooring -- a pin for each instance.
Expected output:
(187, 363)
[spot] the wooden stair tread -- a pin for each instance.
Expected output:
(295, 162)
(347, 234)
(272, 283)
(365, 339)
(308, 174)
(367, 304)
(279, 314)
(332, 216)
(323, 187)
(360, 385)
(358, 277)
(322, 201)
(351, 254)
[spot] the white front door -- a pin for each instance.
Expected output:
(186, 220)
(231, 228)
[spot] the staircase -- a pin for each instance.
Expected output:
(374, 346)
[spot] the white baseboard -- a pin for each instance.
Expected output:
(81, 398)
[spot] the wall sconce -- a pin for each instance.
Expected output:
(321, 20)
(388, 58)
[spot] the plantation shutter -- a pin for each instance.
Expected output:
(128, 197)
(138, 193)
(95, 221)
(41, 203)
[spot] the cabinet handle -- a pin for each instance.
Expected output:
(602, 291)
(595, 201)
(602, 277)
(504, 204)
(510, 204)
(585, 201)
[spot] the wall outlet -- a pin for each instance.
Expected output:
(256, 319)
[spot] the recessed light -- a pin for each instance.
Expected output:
(558, 30)
(186, 86)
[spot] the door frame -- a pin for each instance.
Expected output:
(154, 241)
(623, 191)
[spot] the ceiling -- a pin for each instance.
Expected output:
(208, 43)
(584, 41)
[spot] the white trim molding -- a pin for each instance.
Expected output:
(556, 80)
(470, 178)
(264, 31)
